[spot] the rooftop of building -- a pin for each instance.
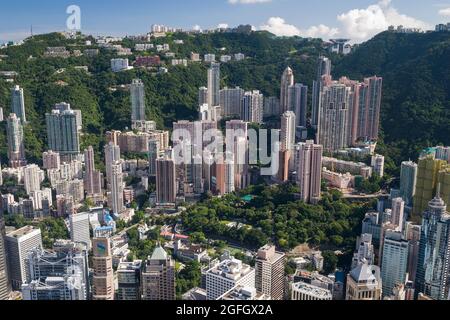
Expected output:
(312, 290)
(22, 231)
(243, 293)
(232, 269)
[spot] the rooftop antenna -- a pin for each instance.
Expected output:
(32, 31)
(438, 191)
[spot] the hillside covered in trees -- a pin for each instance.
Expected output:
(416, 68)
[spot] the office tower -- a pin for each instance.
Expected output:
(158, 277)
(432, 277)
(5, 284)
(18, 103)
(309, 171)
(394, 261)
(137, 91)
(112, 155)
(398, 213)
(298, 102)
(214, 85)
(153, 155)
(408, 180)
(287, 80)
(16, 149)
(369, 110)
(202, 96)
(323, 69)
(308, 292)
(227, 275)
(364, 283)
(166, 190)
(252, 105)
(103, 279)
(80, 229)
(63, 130)
(365, 251)
(51, 160)
(378, 165)
(230, 101)
(18, 244)
(288, 130)
(413, 232)
(32, 177)
(60, 274)
(333, 131)
(92, 178)
(270, 273)
(116, 188)
(427, 181)
(129, 280)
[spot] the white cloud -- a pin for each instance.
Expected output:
(222, 26)
(279, 27)
(248, 1)
(362, 24)
(196, 28)
(445, 12)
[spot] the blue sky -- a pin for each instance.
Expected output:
(356, 19)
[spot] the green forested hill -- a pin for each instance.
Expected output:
(416, 68)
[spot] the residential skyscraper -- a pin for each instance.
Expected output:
(80, 229)
(16, 149)
(298, 102)
(287, 131)
(18, 243)
(153, 155)
(323, 69)
(309, 170)
(63, 131)
(394, 261)
(398, 213)
(115, 198)
(137, 91)
(432, 277)
(166, 190)
(270, 274)
(129, 280)
(5, 284)
(202, 96)
(92, 178)
(365, 252)
(369, 110)
(408, 181)
(333, 127)
(51, 160)
(103, 279)
(214, 85)
(112, 155)
(32, 177)
(230, 101)
(252, 107)
(18, 103)
(378, 165)
(287, 80)
(158, 277)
